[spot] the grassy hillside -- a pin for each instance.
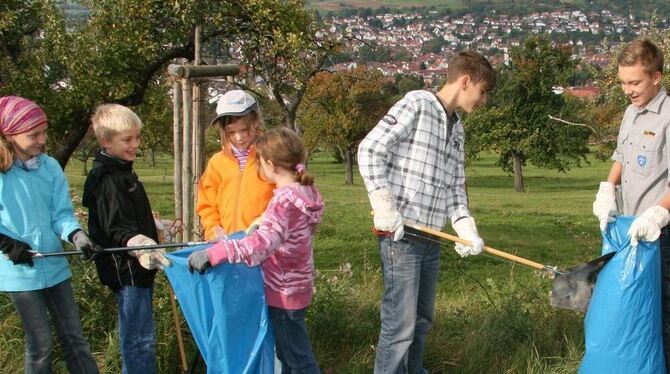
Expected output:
(491, 316)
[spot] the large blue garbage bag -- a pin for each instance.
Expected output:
(623, 322)
(226, 311)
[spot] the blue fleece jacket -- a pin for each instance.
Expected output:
(35, 207)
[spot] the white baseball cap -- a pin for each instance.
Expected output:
(234, 103)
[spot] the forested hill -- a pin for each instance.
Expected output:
(639, 8)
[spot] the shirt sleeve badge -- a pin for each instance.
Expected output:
(391, 120)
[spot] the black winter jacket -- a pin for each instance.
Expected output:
(118, 209)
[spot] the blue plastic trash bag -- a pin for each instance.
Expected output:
(623, 322)
(226, 311)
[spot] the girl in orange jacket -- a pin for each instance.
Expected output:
(231, 193)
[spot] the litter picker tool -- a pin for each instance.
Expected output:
(123, 249)
(571, 289)
(493, 251)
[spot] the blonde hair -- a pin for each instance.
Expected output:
(6, 154)
(253, 122)
(642, 51)
(284, 148)
(111, 119)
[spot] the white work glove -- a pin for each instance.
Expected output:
(387, 218)
(648, 225)
(149, 259)
(140, 240)
(466, 229)
(153, 259)
(604, 207)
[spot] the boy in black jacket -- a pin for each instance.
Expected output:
(120, 215)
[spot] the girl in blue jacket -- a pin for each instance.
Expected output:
(36, 213)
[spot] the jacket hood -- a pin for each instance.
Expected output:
(306, 198)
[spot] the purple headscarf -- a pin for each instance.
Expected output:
(18, 115)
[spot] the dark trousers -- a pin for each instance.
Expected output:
(294, 350)
(665, 296)
(38, 309)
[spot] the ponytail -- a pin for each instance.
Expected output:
(304, 178)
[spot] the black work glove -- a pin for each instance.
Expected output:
(199, 261)
(17, 251)
(89, 250)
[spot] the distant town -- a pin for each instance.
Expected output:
(429, 37)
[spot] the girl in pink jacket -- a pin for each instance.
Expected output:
(282, 245)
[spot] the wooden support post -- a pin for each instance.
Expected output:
(203, 71)
(199, 126)
(187, 163)
(197, 45)
(199, 132)
(177, 324)
(196, 143)
(177, 151)
(197, 139)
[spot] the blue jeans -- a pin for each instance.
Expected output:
(136, 330)
(35, 309)
(294, 350)
(410, 280)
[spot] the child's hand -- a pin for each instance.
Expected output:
(140, 240)
(19, 253)
(154, 259)
(219, 233)
(198, 260)
(149, 259)
(254, 225)
(83, 243)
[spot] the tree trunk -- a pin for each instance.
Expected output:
(349, 166)
(84, 171)
(518, 172)
(80, 123)
(291, 123)
(290, 109)
(152, 157)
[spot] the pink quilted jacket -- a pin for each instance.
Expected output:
(282, 245)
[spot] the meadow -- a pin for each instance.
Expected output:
(492, 316)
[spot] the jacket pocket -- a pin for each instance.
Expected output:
(645, 156)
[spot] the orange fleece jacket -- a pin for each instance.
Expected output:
(229, 197)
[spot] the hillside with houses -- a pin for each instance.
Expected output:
(419, 41)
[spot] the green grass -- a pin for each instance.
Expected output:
(491, 316)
